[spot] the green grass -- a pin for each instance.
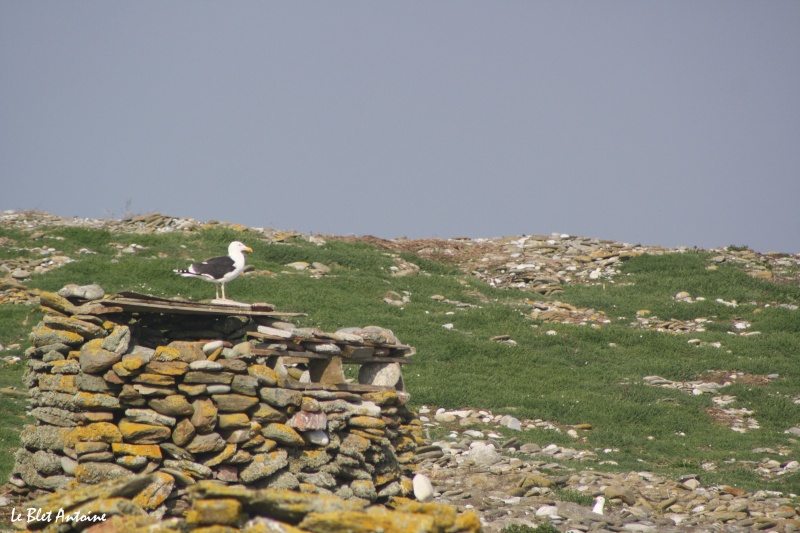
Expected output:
(579, 375)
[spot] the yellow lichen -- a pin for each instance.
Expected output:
(97, 432)
(151, 451)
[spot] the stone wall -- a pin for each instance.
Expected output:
(183, 392)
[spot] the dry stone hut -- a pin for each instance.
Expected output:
(169, 401)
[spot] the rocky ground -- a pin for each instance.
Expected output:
(475, 467)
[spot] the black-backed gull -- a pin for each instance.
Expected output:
(219, 270)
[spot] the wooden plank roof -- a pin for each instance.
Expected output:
(145, 303)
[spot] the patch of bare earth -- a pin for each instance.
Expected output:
(730, 377)
(451, 251)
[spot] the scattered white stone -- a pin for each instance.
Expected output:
(274, 332)
(317, 437)
(483, 454)
(547, 511)
(205, 365)
(423, 490)
(213, 346)
(511, 422)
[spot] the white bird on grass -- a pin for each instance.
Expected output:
(599, 504)
(219, 270)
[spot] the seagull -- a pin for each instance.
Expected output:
(599, 503)
(219, 270)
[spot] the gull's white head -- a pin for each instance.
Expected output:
(237, 246)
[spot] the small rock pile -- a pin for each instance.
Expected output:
(564, 313)
(544, 264)
(186, 398)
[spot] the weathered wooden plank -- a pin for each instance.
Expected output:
(143, 303)
(332, 340)
(347, 387)
(289, 357)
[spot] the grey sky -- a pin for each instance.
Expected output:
(673, 123)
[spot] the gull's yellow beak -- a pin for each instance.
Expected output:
(248, 249)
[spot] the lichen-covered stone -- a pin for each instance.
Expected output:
(84, 447)
(54, 416)
(234, 365)
(58, 383)
(150, 451)
(132, 462)
(227, 452)
(231, 421)
(166, 353)
(153, 390)
(183, 433)
(364, 488)
(192, 390)
(118, 341)
(91, 383)
(95, 359)
(205, 377)
(158, 380)
(211, 442)
(292, 507)
(136, 433)
(354, 443)
(89, 417)
(95, 401)
(149, 416)
(54, 301)
(383, 398)
(366, 422)
(264, 374)
(156, 492)
(129, 396)
(42, 335)
(246, 385)
(87, 330)
(281, 397)
(168, 368)
(26, 470)
(282, 434)
(47, 463)
(264, 465)
(94, 473)
(98, 432)
(174, 405)
(188, 352)
(204, 417)
(234, 403)
(129, 367)
(266, 413)
(222, 511)
(190, 467)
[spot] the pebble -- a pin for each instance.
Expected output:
(423, 490)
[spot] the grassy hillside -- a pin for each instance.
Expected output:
(567, 374)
